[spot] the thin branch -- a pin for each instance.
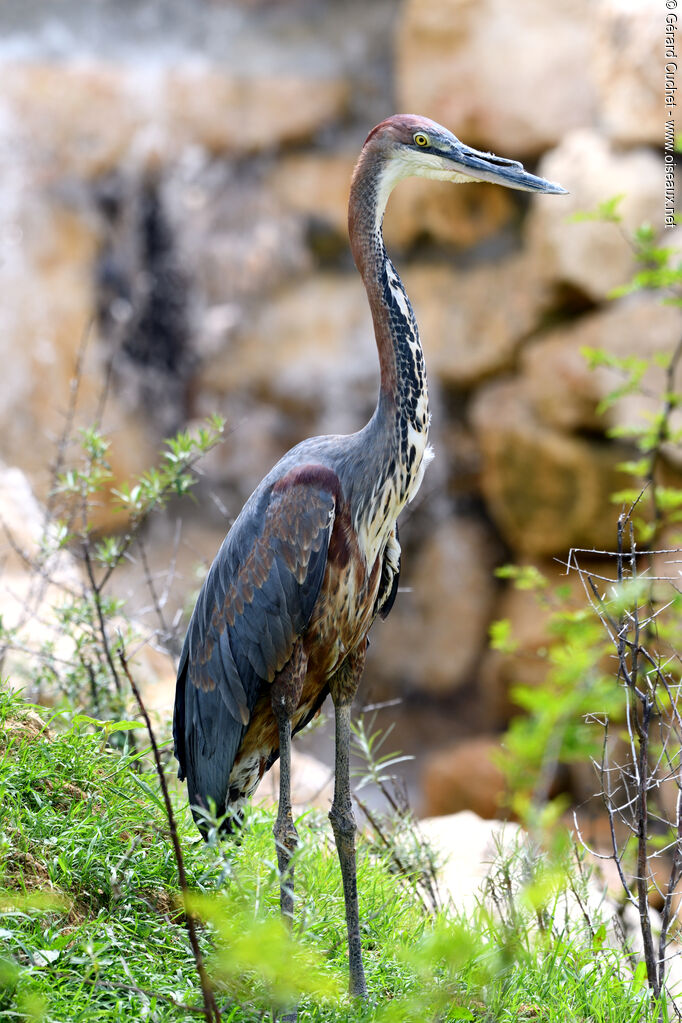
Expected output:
(97, 600)
(211, 1011)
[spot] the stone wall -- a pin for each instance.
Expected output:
(173, 183)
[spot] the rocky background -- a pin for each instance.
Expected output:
(173, 188)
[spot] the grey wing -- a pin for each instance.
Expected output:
(256, 601)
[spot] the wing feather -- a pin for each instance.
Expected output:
(256, 601)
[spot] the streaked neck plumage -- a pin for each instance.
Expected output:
(399, 428)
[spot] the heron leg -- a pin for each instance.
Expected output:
(286, 690)
(343, 687)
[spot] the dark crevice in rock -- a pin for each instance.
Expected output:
(143, 297)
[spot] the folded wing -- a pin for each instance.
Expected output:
(256, 601)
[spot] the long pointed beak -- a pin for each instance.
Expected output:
(488, 167)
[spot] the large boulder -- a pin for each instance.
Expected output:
(422, 210)
(546, 490)
(495, 73)
(87, 117)
(308, 354)
(316, 186)
(76, 118)
(226, 113)
(464, 777)
(591, 256)
(433, 637)
(466, 337)
(37, 580)
(467, 847)
(629, 68)
(47, 343)
(564, 392)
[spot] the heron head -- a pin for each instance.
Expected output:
(416, 146)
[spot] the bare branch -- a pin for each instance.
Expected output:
(211, 1011)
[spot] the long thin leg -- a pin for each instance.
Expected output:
(286, 690)
(285, 693)
(286, 836)
(343, 687)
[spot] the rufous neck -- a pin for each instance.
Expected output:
(365, 216)
(395, 327)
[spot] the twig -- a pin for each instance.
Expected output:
(97, 600)
(211, 1011)
(158, 601)
(62, 443)
(172, 640)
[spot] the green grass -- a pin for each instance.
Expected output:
(91, 928)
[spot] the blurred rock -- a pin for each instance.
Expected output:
(592, 256)
(309, 349)
(449, 65)
(467, 847)
(33, 587)
(472, 323)
(27, 597)
(464, 777)
(75, 118)
(470, 849)
(564, 392)
(40, 341)
(22, 524)
(86, 118)
(547, 491)
(233, 234)
(312, 784)
(315, 185)
(434, 210)
(155, 672)
(434, 634)
(208, 106)
(629, 69)
(529, 614)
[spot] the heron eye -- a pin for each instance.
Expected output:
(421, 140)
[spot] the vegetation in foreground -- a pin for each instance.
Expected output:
(92, 928)
(93, 923)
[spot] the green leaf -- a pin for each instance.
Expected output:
(639, 976)
(501, 638)
(606, 211)
(640, 467)
(525, 577)
(662, 359)
(645, 234)
(85, 719)
(148, 790)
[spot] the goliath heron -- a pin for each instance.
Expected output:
(313, 557)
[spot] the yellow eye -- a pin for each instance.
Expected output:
(421, 140)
